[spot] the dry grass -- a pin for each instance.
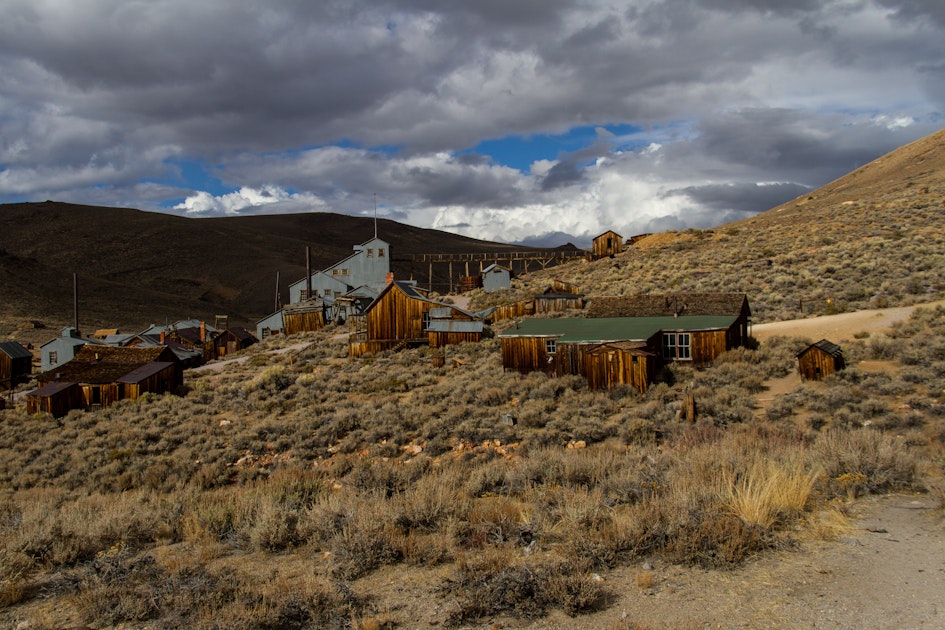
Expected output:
(183, 511)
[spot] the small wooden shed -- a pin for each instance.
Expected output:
(233, 340)
(307, 316)
(56, 399)
(16, 363)
(820, 359)
(607, 244)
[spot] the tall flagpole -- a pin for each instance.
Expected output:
(375, 215)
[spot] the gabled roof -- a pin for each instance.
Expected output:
(104, 364)
(14, 350)
(495, 267)
(830, 348)
(606, 329)
(411, 291)
(606, 233)
(242, 334)
(656, 305)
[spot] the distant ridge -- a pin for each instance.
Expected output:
(136, 267)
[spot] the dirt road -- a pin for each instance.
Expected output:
(840, 327)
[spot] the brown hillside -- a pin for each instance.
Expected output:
(872, 238)
(136, 267)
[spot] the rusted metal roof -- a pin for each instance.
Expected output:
(830, 348)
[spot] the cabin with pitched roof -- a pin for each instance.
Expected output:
(706, 345)
(627, 348)
(106, 374)
(16, 364)
(818, 360)
(607, 244)
(402, 315)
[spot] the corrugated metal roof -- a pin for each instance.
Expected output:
(614, 328)
(830, 348)
(455, 326)
(14, 350)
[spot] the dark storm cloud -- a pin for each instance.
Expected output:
(745, 199)
(100, 102)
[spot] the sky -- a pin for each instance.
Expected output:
(529, 121)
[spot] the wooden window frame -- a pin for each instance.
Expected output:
(677, 346)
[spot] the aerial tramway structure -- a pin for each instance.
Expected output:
(515, 260)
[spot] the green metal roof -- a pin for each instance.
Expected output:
(615, 328)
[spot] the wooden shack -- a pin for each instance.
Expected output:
(307, 316)
(730, 305)
(820, 359)
(607, 244)
(620, 350)
(156, 377)
(401, 317)
(106, 374)
(605, 352)
(552, 301)
(56, 399)
(619, 362)
(16, 364)
(233, 340)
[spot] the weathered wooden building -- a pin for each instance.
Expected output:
(106, 374)
(56, 399)
(368, 265)
(16, 364)
(232, 340)
(307, 316)
(618, 350)
(607, 244)
(555, 301)
(820, 359)
(401, 317)
(733, 305)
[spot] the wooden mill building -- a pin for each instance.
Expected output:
(403, 315)
(820, 359)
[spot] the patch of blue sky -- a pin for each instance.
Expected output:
(193, 175)
(520, 152)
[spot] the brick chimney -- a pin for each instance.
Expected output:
(390, 277)
(163, 337)
(203, 331)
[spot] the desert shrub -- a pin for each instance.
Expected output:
(864, 461)
(499, 582)
(363, 545)
(496, 521)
